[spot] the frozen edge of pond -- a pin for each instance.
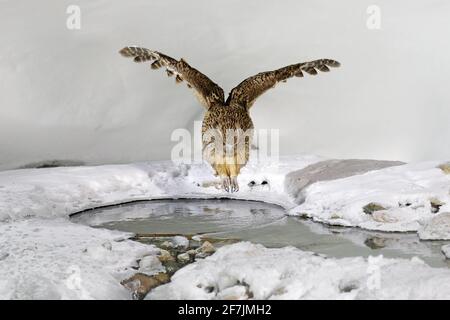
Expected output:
(408, 196)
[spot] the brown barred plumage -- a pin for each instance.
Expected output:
(232, 114)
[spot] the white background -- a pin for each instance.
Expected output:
(67, 94)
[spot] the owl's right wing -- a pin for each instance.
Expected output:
(251, 88)
(207, 92)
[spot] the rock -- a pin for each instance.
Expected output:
(150, 265)
(297, 181)
(445, 167)
(165, 256)
(171, 267)
(375, 242)
(206, 248)
(141, 284)
(180, 242)
(166, 245)
(436, 205)
(191, 252)
(201, 255)
(437, 228)
(372, 207)
(184, 258)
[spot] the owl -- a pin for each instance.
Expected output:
(227, 127)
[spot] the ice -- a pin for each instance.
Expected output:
(251, 271)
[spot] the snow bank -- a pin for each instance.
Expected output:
(405, 197)
(58, 192)
(245, 270)
(56, 259)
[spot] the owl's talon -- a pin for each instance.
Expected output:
(226, 184)
(234, 184)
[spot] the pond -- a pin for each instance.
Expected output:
(267, 224)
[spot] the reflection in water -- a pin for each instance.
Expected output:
(259, 223)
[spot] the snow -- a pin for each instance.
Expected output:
(245, 270)
(404, 191)
(438, 228)
(179, 241)
(56, 192)
(40, 249)
(446, 251)
(57, 259)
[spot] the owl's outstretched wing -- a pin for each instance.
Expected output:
(251, 88)
(207, 92)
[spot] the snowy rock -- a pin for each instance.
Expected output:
(184, 258)
(150, 265)
(206, 248)
(297, 181)
(166, 245)
(191, 252)
(438, 228)
(245, 270)
(372, 207)
(165, 256)
(180, 242)
(436, 204)
(140, 284)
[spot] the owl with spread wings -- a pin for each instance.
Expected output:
(227, 127)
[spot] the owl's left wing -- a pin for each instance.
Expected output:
(207, 92)
(251, 88)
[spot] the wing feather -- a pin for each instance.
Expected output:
(207, 92)
(251, 88)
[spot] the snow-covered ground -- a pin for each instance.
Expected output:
(407, 197)
(40, 249)
(57, 259)
(236, 272)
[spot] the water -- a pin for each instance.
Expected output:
(259, 223)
